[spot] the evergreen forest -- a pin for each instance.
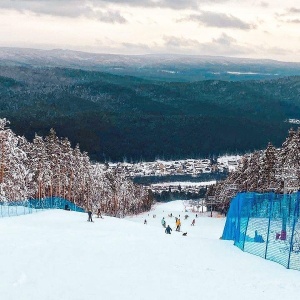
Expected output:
(270, 170)
(50, 167)
(116, 118)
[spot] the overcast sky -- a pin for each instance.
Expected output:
(241, 28)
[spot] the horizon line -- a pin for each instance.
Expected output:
(149, 54)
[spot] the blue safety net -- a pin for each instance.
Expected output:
(17, 208)
(54, 203)
(267, 225)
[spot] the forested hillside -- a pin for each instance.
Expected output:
(270, 170)
(115, 117)
(50, 167)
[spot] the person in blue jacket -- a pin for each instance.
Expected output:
(168, 230)
(90, 215)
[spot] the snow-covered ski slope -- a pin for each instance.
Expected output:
(58, 255)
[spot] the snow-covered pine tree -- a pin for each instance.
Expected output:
(50, 167)
(13, 170)
(41, 168)
(289, 164)
(268, 166)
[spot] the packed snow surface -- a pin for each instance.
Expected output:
(58, 255)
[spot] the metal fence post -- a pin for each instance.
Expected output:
(269, 224)
(293, 230)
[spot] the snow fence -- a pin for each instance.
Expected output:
(17, 208)
(267, 225)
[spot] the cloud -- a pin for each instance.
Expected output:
(288, 12)
(180, 42)
(293, 21)
(65, 8)
(173, 4)
(264, 4)
(276, 51)
(225, 45)
(294, 10)
(137, 47)
(224, 40)
(222, 45)
(75, 7)
(110, 17)
(289, 16)
(220, 20)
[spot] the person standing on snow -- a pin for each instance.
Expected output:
(193, 223)
(168, 230)
(163, 222)
(99, 213)
(90, 216)
(178, 224)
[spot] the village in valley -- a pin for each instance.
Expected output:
(193, 167)
(178, 175)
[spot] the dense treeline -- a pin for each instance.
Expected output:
(116, 117)
(167, 196)
(50, 167)
(272, 169)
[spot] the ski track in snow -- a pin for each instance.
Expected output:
(59, 255)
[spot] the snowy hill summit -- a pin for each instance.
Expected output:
(170, 67)
(58, 255)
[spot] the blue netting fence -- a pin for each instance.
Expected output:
(17, 208)
(266, 225)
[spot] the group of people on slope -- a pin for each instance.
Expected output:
(90, 214)
(177, 223)
(168, 228)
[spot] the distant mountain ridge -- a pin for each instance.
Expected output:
(165, 67)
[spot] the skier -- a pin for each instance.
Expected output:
(193, 223)
(99, 213)
(90, 216)
(178, 224)
(163, 222)
(145, 222)
(168, 230)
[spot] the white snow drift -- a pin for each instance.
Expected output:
(59, 255)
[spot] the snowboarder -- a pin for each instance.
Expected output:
(193, 223)
(90, 216)
(168, 230)
(163, 222)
